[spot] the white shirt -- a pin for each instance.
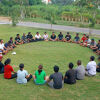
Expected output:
(21, 76)
(37, 36)
(91, 68)
(89, 41)
(45, 37)
(2, 46)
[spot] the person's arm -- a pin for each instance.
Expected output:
(66, 75)
(26, 74)
(50, 78)
(87, 67)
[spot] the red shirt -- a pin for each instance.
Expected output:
(83, 38)
(7, 71)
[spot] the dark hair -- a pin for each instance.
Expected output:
(79, 62)
(60, 32)
(67, 32)
(40, 67)
(0, 40)
(56, 68)
(99, 40)
(99, 58)
(45, 32)
(92, 39)
(77, 33)
(71, 65)
(11, 38)
(37, 32)
(7, 61)
(21, 66)
(92, 58)
(17, 34)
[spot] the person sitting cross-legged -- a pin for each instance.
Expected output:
(98, 66)
(11, 43)
(8, 69)
(91, 67)
(98, 48)
(57, 78)
(70, 75)
(45, 36)
(53, 37)
(76, 39)
(40, 76)
(80, 71)
(68, 38)
(24, 38)
(1, 66)
(18, 40)
(22, 75)
(38, 37)
(60, 37)
(93, 45)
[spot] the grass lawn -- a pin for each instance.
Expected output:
(48, 54)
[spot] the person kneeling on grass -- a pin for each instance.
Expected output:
(57, 77)
(98, 66)
(40, 76)
(70, 75)
(18, 40)
(80, 71)
(8, 69)
(22, 75)
(53, 37)
(91, 67)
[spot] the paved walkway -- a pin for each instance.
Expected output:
(56, 27)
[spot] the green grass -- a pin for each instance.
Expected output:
(48, 54)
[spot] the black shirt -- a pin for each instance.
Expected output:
(1, 66)
(99, 65)
(53, 37)
(68, 37)
(10, 42)
(29, 36)
(60, 36)
(17, 39)
(57, 79)
(98, 45)
(70, 74)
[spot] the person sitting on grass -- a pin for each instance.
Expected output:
(24, 38)
(98, 48)
(70, 75)
(12, 45)
(8, 69)
(68, 37)
(91, 67)
(80, 71)
(8, 47)
(98, 66)
(83, 38)
(57, 78)
(18, 40)
(30, 38)
(40, 76)
(60, 37)
(1, 66)
(3, 49)
(22, 75)
(53, 37)
(45, 36)
(38, 37)
(93, 45)
(77, 39)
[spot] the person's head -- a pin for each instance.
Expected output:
(53, 33)
(40, 67)
(67, 33)
(87, 37)
(56, 69)
(45, 33)
(1, 41)
(61, 33)
(99, 41)
(21, 66)
(92, 58)
(77, 34)
(11, 38)
(23, 34)
(71, 65)
(99, 58)
(17, 35)
(37, 33)
(92, 40)
(7, 61)
(84, 35)
(79, 62)
(29, 33)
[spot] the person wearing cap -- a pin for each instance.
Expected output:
(55, 80)
(68, 38)
(53, 37)
(45, 36)
(22, 75)
(40, 76)
(91, 67)
(1, 66)
(3, 49)
(92, 44)
(98, 66)
(76, 39)
(70, 77)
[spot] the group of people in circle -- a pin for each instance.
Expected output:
(55, 80)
